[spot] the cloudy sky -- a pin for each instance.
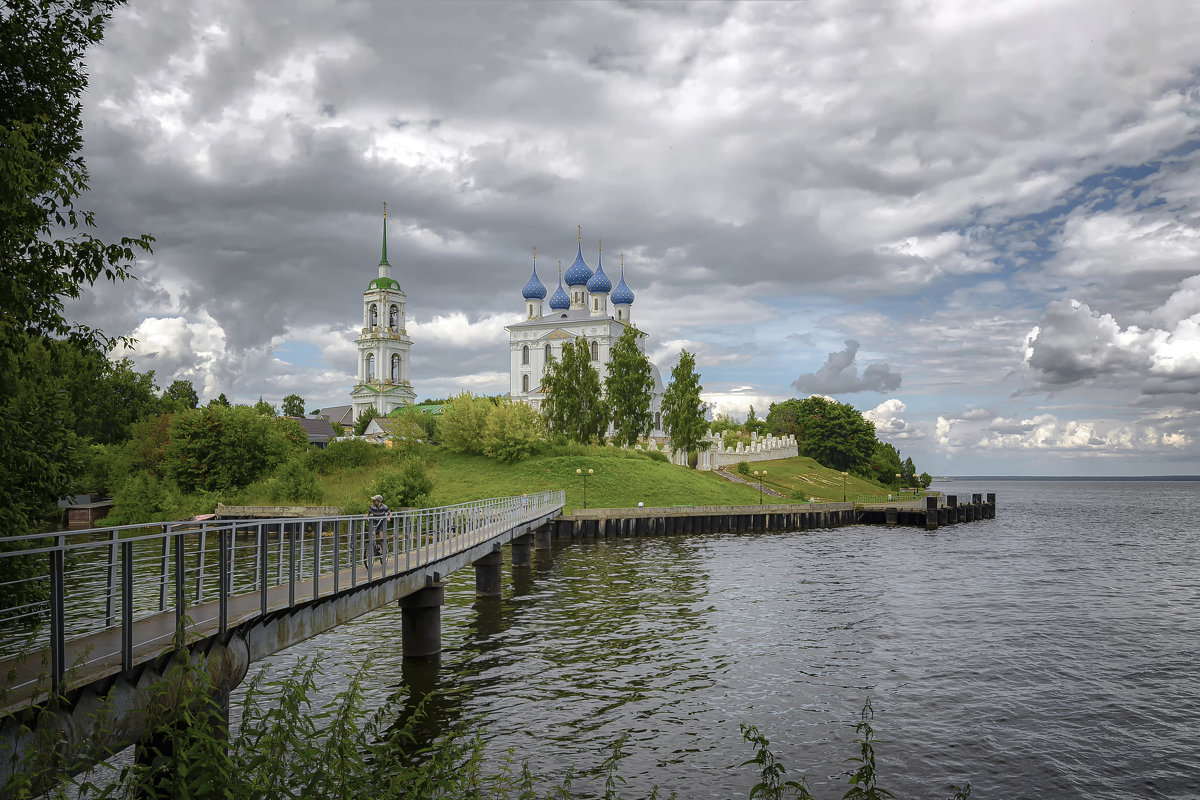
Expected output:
(979, 223)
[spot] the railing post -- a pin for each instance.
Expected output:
(127, 605)
(200, 563)
(110, 596)
(291, 530)
(166, 556)
(262, 562)
(337, 552)
(222, 580)
(58, 614)
(316, 570)
(179, 594)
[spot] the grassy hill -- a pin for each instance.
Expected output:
(618, 481)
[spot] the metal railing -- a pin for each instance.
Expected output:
(61, 588)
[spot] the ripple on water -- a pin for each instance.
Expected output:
(1050, 652)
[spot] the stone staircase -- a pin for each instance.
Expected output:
(748, 480)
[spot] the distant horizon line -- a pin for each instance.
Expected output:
(953, 478)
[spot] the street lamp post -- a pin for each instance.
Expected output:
(585, 476)
(843, 487)
(760, 476)
(897, 483)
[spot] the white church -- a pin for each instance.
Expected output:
(580, 311)
(383, 345)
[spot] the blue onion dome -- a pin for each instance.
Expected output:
(622, 296)
(599, 282)
(559, 300)
(579, 273)
(535, 289)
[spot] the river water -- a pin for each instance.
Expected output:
(1048, 653)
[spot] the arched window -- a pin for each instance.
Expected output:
(525, 354)
(595, 303)
(370, 365)
(395, 367)
(525, 383)
(658, 420)
(394, 317)
(374, 315)
(595, 351)
(549, 354)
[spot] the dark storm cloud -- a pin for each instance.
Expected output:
(839, 375)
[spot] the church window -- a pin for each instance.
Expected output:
(370, 366)
(657, 420)
(549, 355)
(596, 303)
(395, 367)
(374, 315)
(525, 355)
(531, 309)
(595, 351)
(394, 317)
(524, 383)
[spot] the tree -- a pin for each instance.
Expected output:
(683, 411)
(217, 449)
(461, 425)
(220, 400)
(628, 388)
(574, 406)
(266, 409)
(293, 406)
(47, 253)
(835, 434)
(512, 432)
(179, 396)
(364, 419)
(908, 473)
(925, 478)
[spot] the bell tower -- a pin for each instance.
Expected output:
(383, 346)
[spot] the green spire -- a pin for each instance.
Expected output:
(383, 262)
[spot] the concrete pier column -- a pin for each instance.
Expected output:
(543, 536)
(522, 546)
(952, 508)
(991, 505)
(487, 575)
(931, 513)
(421, 621)
(890, 516)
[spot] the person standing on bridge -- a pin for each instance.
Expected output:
(378, 513)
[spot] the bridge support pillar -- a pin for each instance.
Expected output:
(487, 575)
(521, 547)
(421, 621)
(543, 535)
(931, 513)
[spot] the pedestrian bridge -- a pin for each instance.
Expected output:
(89, 616)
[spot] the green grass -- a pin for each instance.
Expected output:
(803, 478)
(620, 479)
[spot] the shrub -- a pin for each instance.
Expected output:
(408, 486)
(461, 426)
(743, 468)
(512, 432)
(296, 483)
(657, 455)
(141, 498)
(348, 454)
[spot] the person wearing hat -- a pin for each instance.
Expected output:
(378, 513)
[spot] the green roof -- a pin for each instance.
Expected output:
(383, 283)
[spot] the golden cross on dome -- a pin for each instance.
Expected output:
(385, 209)
(580, 232)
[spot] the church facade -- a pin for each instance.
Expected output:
(383, 345)
(588, 308)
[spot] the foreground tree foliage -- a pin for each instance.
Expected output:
(461, 425)
(292, 745)
(574, 406)
(218, 449)
(629, 386)
(47, 254)
(683, 410)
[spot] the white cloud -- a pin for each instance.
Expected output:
(889, 424)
